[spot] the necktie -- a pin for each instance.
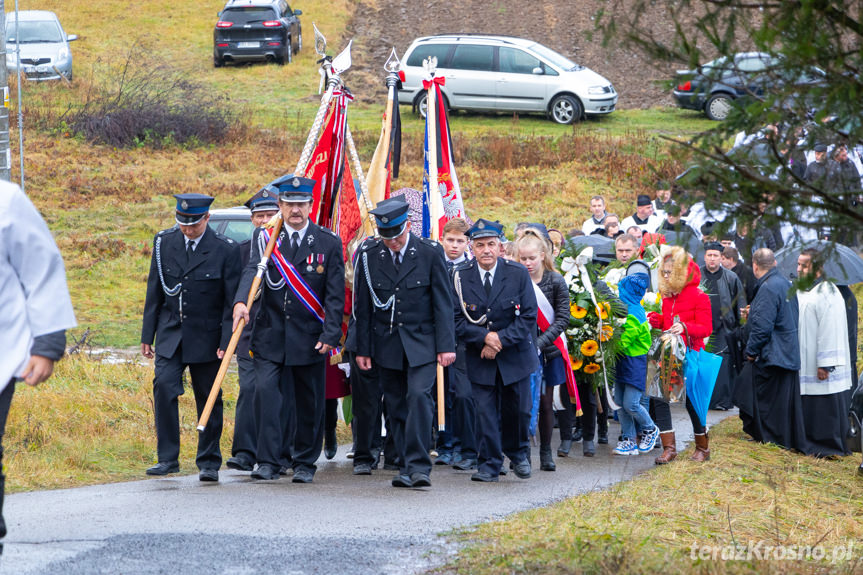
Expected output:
(487, 283)
(397, 260)
(295, 243)
(190, 249)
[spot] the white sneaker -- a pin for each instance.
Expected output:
(625, 447)
(648, 440)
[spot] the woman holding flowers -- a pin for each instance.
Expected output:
(535, 253)
(685, 312)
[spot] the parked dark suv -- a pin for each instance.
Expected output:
(262, 30)
(713, 87)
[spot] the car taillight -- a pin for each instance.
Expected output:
(224, 24)
(222, 45)
(272, 24)
(274, 43)
(685, 87)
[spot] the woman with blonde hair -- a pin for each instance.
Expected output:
(686, 312)
(533, 251)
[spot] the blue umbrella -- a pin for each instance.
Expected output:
(700, 373)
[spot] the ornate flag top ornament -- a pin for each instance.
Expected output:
(342, 62)
(393, 66)
(430, 66)
(320, 42)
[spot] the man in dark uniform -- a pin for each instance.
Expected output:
(193, 279)
(298, 324)
(495, 315)
(263, 206)
(404, 324)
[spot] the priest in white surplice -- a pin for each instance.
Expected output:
(35, 303)
(825, 373)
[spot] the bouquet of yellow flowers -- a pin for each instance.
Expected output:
(594, 329)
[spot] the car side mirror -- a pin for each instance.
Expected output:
(298, 12)
(538, 71)
(71, 37)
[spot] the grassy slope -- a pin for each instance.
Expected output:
(747, 493)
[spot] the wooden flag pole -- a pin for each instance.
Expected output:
(431, 113)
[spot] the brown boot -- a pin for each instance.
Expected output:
(669, 448)
(702, 451)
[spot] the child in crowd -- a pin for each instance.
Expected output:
(631, 369)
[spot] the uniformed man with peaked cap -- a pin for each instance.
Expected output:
(262, 206)
(190, 290)
(299, 322)
(404, 326)
(495, 315)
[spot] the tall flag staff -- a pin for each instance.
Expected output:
(385, 161)
(331, 70)
(432, 199)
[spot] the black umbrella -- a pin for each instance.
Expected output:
(842, 265)
(603, 247)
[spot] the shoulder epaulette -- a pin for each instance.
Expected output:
(225, 239)
(369, 243)
(464, 265)
(430, 242)
(329, 231)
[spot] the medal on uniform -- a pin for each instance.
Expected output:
(309, 261)
(517, 310)
(320, 268)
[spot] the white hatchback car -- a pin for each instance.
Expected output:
(44, 46)
(501, 73)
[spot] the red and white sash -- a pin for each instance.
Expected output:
(544, 318)
(295, 281)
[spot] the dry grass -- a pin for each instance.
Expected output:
(747, 492)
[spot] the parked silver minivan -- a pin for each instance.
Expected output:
(501, 73)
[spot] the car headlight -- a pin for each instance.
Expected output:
(597, 90)
(63, 54)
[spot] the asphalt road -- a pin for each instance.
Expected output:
(338, 524)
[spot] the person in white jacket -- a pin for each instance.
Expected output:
(35, 302)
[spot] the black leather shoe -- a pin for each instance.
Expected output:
(602, 438)
(589, 448)
(565, 446)
(522, 469)
(303, 476)
(391, 466)
(240, 463)
(283, 470)
(362, 469)
(444, 459)
(483, 477)
(402, 481)
(164, 468)
(331, 445)
(465, 464)
(577, 434)
(208, 475)
(265, 472)
(420, 480)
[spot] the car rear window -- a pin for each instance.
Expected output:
(420, 53)
(248, 14)
(473, 57)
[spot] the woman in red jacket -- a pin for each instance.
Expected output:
(685, 311)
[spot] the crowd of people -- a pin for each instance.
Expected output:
(493, 315)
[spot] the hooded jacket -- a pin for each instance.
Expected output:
(682, 297)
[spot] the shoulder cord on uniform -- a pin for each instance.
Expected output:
(457, 279)
(176, 290)
(277, 285)
(390, 304)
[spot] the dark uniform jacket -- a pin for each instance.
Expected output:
(422, 324)
(284, 330)
(510, 311)
(209, 282)
(772, 324)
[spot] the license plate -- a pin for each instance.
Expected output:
(248, 44)
(29, 69)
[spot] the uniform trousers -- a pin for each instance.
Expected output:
(366, 405)
(299, 389)
(463, 410)
(245, 425)
(408, 398)
(5, 403)
(502, 423)
(167, 388)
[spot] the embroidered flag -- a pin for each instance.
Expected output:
(447, 198)
(328, 160)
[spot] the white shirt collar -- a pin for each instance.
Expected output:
(482, 272)
(290, 231)
(458, 260)
(195, 241)
(404, 247)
